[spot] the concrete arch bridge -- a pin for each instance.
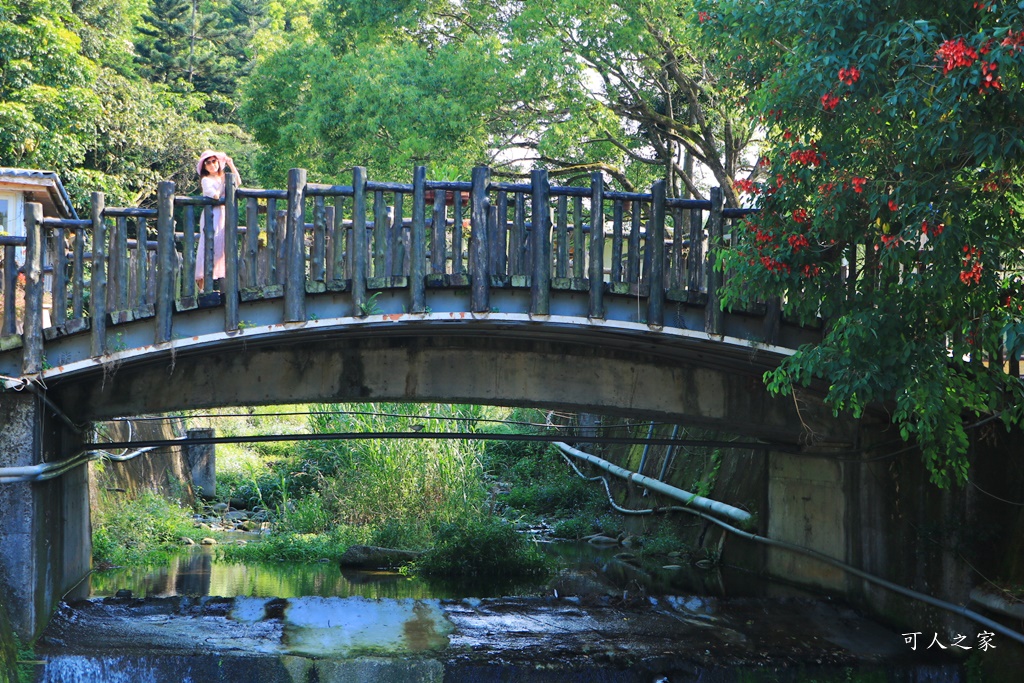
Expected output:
(476, 292)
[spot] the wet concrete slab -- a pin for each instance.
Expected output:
(500, 639)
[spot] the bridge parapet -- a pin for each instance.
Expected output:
(361, 239)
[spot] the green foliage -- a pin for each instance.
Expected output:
(294, 547)
(139, 531)
(894, 155)
(488, 548)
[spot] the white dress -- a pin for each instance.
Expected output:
(213, 187)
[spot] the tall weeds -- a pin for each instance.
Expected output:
(403, 488)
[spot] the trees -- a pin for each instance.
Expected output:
(892, 204)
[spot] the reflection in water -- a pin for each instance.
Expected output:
(198, 572)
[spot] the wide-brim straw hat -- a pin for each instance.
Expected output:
(206, 155)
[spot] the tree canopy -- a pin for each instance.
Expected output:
(891, 204)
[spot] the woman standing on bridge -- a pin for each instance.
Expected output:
(210, 168)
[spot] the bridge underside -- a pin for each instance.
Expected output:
(564, 363)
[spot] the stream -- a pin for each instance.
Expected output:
(607, 616)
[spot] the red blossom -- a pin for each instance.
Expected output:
(746, 186)
(703, 16)
(858, 184)
(989, 77)
(849, 76)
(798, 242)
(799, 216)
(971, 272)
(829, 101)
(891, 240)
(811, 271)
(932, 230)
(956, 53)
(807, 157)
(893, 206)
(1015, 41)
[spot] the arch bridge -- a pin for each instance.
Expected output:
(475, 292)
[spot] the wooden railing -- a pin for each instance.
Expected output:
(366, 236)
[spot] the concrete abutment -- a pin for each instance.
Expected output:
(46, 531)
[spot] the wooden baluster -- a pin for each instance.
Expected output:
(439, 241)
(188, 256)
(418, 242)
(633, 258)
(397, 240)
(338, 244)
(59, 288)
(656, 246)
(252, 243)
(317, 269)
(562, 237)
(713, 318)
(141, 262)
(272, 247)
(517, 242)
(695, 259)
(295, 248)
(208, 249)
(479, 250)
(167, 261)
(457, 267)
(540, 239)
(360, 257)
(380, 234)
(579, 247)
(230, 289)
(98, 279)
(32, 328)
(10, 323)
(616, 275)
(597, 245)
(499, 240)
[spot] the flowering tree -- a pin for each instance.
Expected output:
(891, 204)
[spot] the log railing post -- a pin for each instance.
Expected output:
(479, 249)
(540, 237)
(295, 251)
(32, 330)
(360, 264)
(98, 281)
(418, 242)
(713, 319)
(656, 244)
(230, 290)
(78, 275)
(167, 261)
(596, 273)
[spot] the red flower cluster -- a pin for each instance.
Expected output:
(811, 271)
(807, 157)
(798, 242)
(829, 101)
(762, 237)
(932, 230)
(799, 216)
(774, 265)
(849, 76)
(956, 53)
(989, 77)
(746, 186)
(891, 240)
(971, 272)
(1015, 41)
(893, 206)
(858, 184)
(703, 16)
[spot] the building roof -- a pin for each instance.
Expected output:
(39, 186)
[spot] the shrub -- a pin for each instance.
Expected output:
(487, 548)
(139, 531)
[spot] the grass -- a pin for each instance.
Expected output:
(140, 531)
